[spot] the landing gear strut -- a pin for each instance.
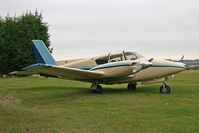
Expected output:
(131, 86)
(165, 89)
(99, 89)
(96, 88)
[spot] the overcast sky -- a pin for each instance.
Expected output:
(85, 28)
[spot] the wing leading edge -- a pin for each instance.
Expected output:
(61, 72)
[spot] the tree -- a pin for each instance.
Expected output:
(16, 34)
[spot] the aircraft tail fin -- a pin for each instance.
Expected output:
(42, 54)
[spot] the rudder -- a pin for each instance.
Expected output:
(42, 54)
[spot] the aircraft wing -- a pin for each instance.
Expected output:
(61, 72)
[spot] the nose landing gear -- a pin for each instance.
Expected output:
(165, 89)
(96, 88)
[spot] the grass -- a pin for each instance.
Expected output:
(38, 105)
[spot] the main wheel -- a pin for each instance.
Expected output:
(99, 89)
(164, 89)
(131, 86)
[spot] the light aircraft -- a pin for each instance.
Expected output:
(113, 68)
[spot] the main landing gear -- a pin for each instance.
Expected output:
(131, 86)
(96, 88)
(165, 89)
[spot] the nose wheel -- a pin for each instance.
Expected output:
(165, 89)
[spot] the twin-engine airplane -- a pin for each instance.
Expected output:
(113, 68)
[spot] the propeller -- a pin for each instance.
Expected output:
(143, 64)
(182, 58)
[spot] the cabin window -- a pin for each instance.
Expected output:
(102, 60)
(132, 55)
(116, 58)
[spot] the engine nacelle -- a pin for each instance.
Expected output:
(116, 69)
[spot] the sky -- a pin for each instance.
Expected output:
(87, 28)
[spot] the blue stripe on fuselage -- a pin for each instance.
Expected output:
(119, 64)
(111, 65)
(84, 67)
(165, 65)
(107, 65)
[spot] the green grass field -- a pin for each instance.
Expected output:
(47, 105)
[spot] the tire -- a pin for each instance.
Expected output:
(165, 89)
(131, 86)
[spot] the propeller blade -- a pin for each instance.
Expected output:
(150, 60)
(137, 69)
(182, 58)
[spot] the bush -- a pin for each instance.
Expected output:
(16, 34)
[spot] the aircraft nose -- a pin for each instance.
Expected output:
(180, 65)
